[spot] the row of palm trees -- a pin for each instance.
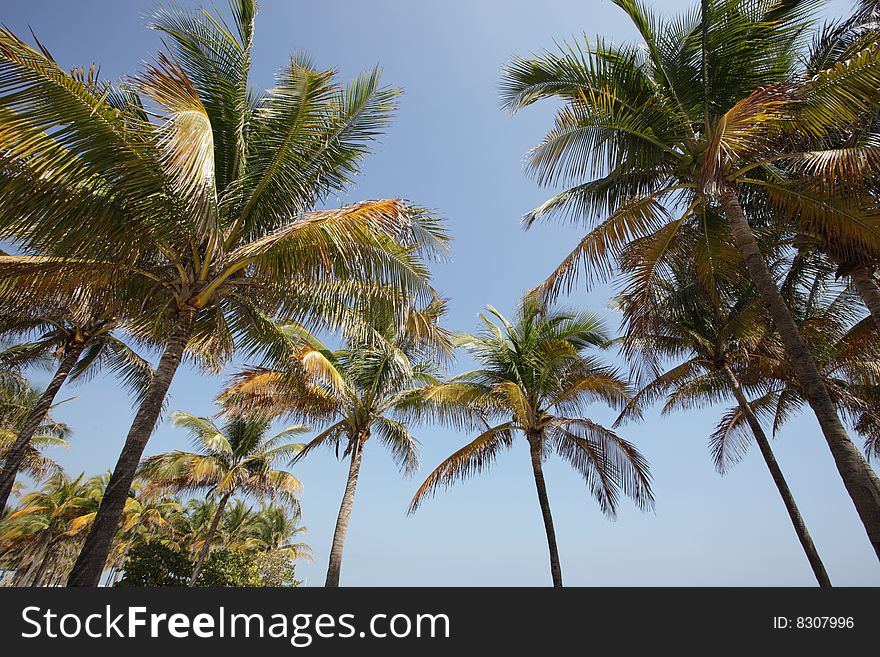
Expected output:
(39, 539)
(724, 167)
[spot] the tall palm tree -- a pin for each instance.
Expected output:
(693, 346)
(187, 198)
(81, 339)
(358, 391)
(535, 378)
(846, 196)
(237, 458)
(690, 125)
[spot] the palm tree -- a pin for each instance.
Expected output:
(846, 197)
(236, 526)
(82, 341)
(239, 457)
(35, 463)
(148, 514)
(274, 529)
(535, 378)
(358, 391)
(691, 344)
(688, 126)
(17, 402)
(186, 198)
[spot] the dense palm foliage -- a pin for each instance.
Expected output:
(695, 348)
(364, 390)
(41, 535)
(677, 143)
(536, 379)
(237, 458)
(255, 547)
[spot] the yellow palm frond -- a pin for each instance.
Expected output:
(745, 130)
(471, 459)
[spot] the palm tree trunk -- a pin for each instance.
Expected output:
(90, 562)
(38, 563)
(704, 61)
(544, 501)
(860, 480)
(18, 451)
(797, 521)
(335, 566)
(115, 570)
(863, 280)
(41, 570)
(206, 546)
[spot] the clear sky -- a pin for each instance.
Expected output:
(453, 149)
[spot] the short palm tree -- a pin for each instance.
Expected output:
(690, 126)
(275, 528)
(82, 341)
(535, 378)
(357, 393)
(237, 458)
(236, 525)
(187, 198)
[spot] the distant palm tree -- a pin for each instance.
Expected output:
(274, 529)
(237, 458)
(845, 344)
(689, 128)
(17, 403)
(148, 513)
(237, 524)
(535, 378)
(359, 391)
(187, 199)
(81, 339)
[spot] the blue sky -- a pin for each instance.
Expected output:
(453, 149)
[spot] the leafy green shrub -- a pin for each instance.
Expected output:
(276, 568)
(229, 568)
(153, 564)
